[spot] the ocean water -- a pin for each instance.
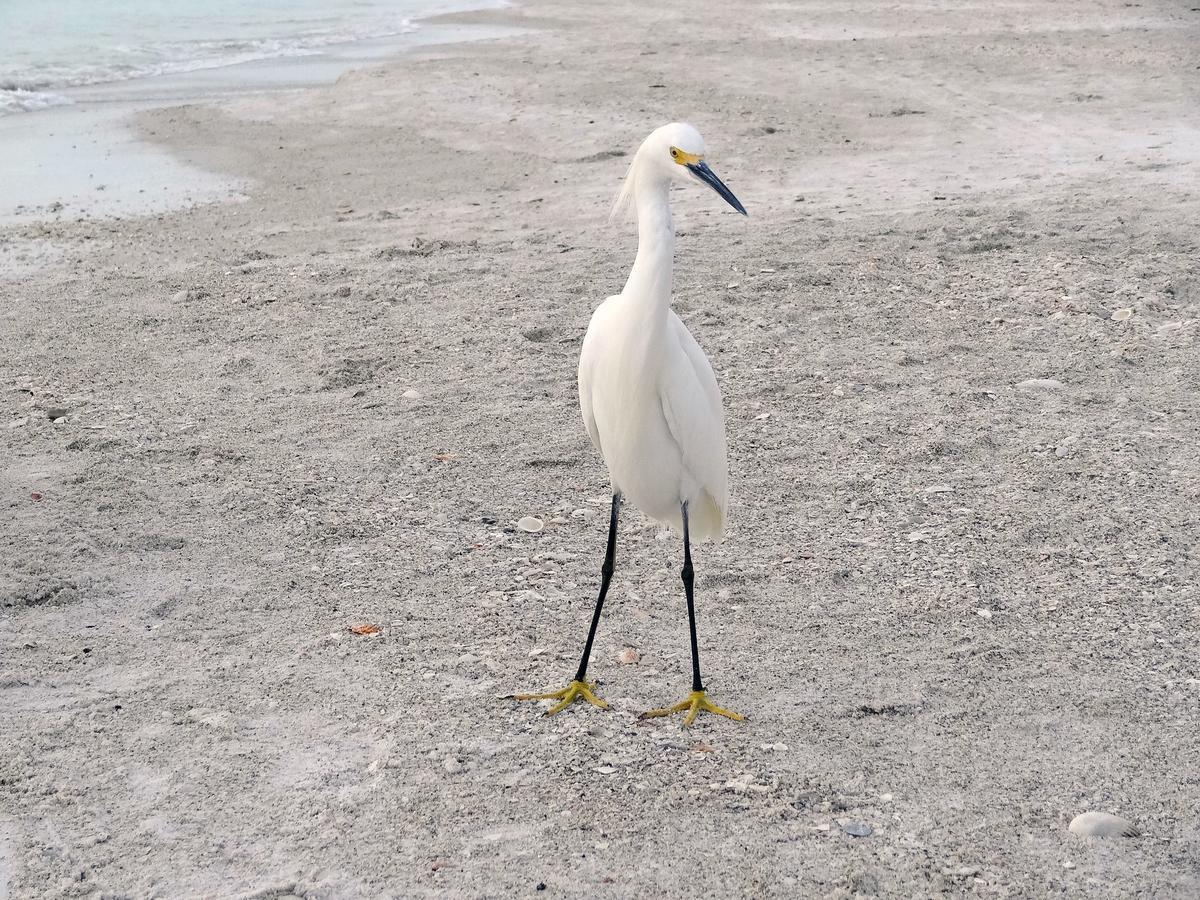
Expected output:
(48, 47)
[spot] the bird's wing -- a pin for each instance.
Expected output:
(593, 348)
(691, 403)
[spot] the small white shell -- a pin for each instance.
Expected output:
(530, 523)
(1122, 315)
(1100, 824)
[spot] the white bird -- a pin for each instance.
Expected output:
(649, 397)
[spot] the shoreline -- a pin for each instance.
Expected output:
(89, 159)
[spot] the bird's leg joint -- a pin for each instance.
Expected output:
(686, 573)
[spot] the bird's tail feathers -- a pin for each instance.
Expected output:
(706, 517)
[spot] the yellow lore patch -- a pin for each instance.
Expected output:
(684, 158)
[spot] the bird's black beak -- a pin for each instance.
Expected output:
(709, 177)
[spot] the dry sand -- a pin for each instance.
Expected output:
(958, 607)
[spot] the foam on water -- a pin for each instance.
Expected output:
(50, 46)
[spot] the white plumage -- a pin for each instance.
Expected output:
(648, 394)
(650, 400)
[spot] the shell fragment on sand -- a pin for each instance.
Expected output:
(857, 829)
(1101, 824)
(1040, 384)
(532, 524)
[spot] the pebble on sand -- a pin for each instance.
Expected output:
(1101, 824)
(1122, 315)
(858, 829)
(532, 524)
(627, 657)
(411, 394)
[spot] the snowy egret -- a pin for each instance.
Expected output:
(650, 399)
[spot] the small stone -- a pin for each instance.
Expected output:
(915, 536)
(741, 784)
(983, 613)
(452, 765)
(628, 657)
(531, 524)
(411, 394)
(1122, 315)
(1101, 824)
(857, 829)
(55, 412)
(604, 770)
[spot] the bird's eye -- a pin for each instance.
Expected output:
(674, 153)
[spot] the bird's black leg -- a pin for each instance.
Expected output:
(579, 689)
(696, 702)
(688, 579)
(606, 574)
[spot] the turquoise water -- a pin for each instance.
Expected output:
(49, 46)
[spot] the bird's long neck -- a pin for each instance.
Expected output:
(649, 283)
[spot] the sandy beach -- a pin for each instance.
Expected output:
(957, 338)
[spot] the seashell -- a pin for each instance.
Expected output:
(1101, 824)
(858, 829)
(627, 657)
(1122, 315)
(532, 524)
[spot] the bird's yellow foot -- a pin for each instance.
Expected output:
(576, 690)
(695, 704)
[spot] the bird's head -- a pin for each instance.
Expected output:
(675, 153)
